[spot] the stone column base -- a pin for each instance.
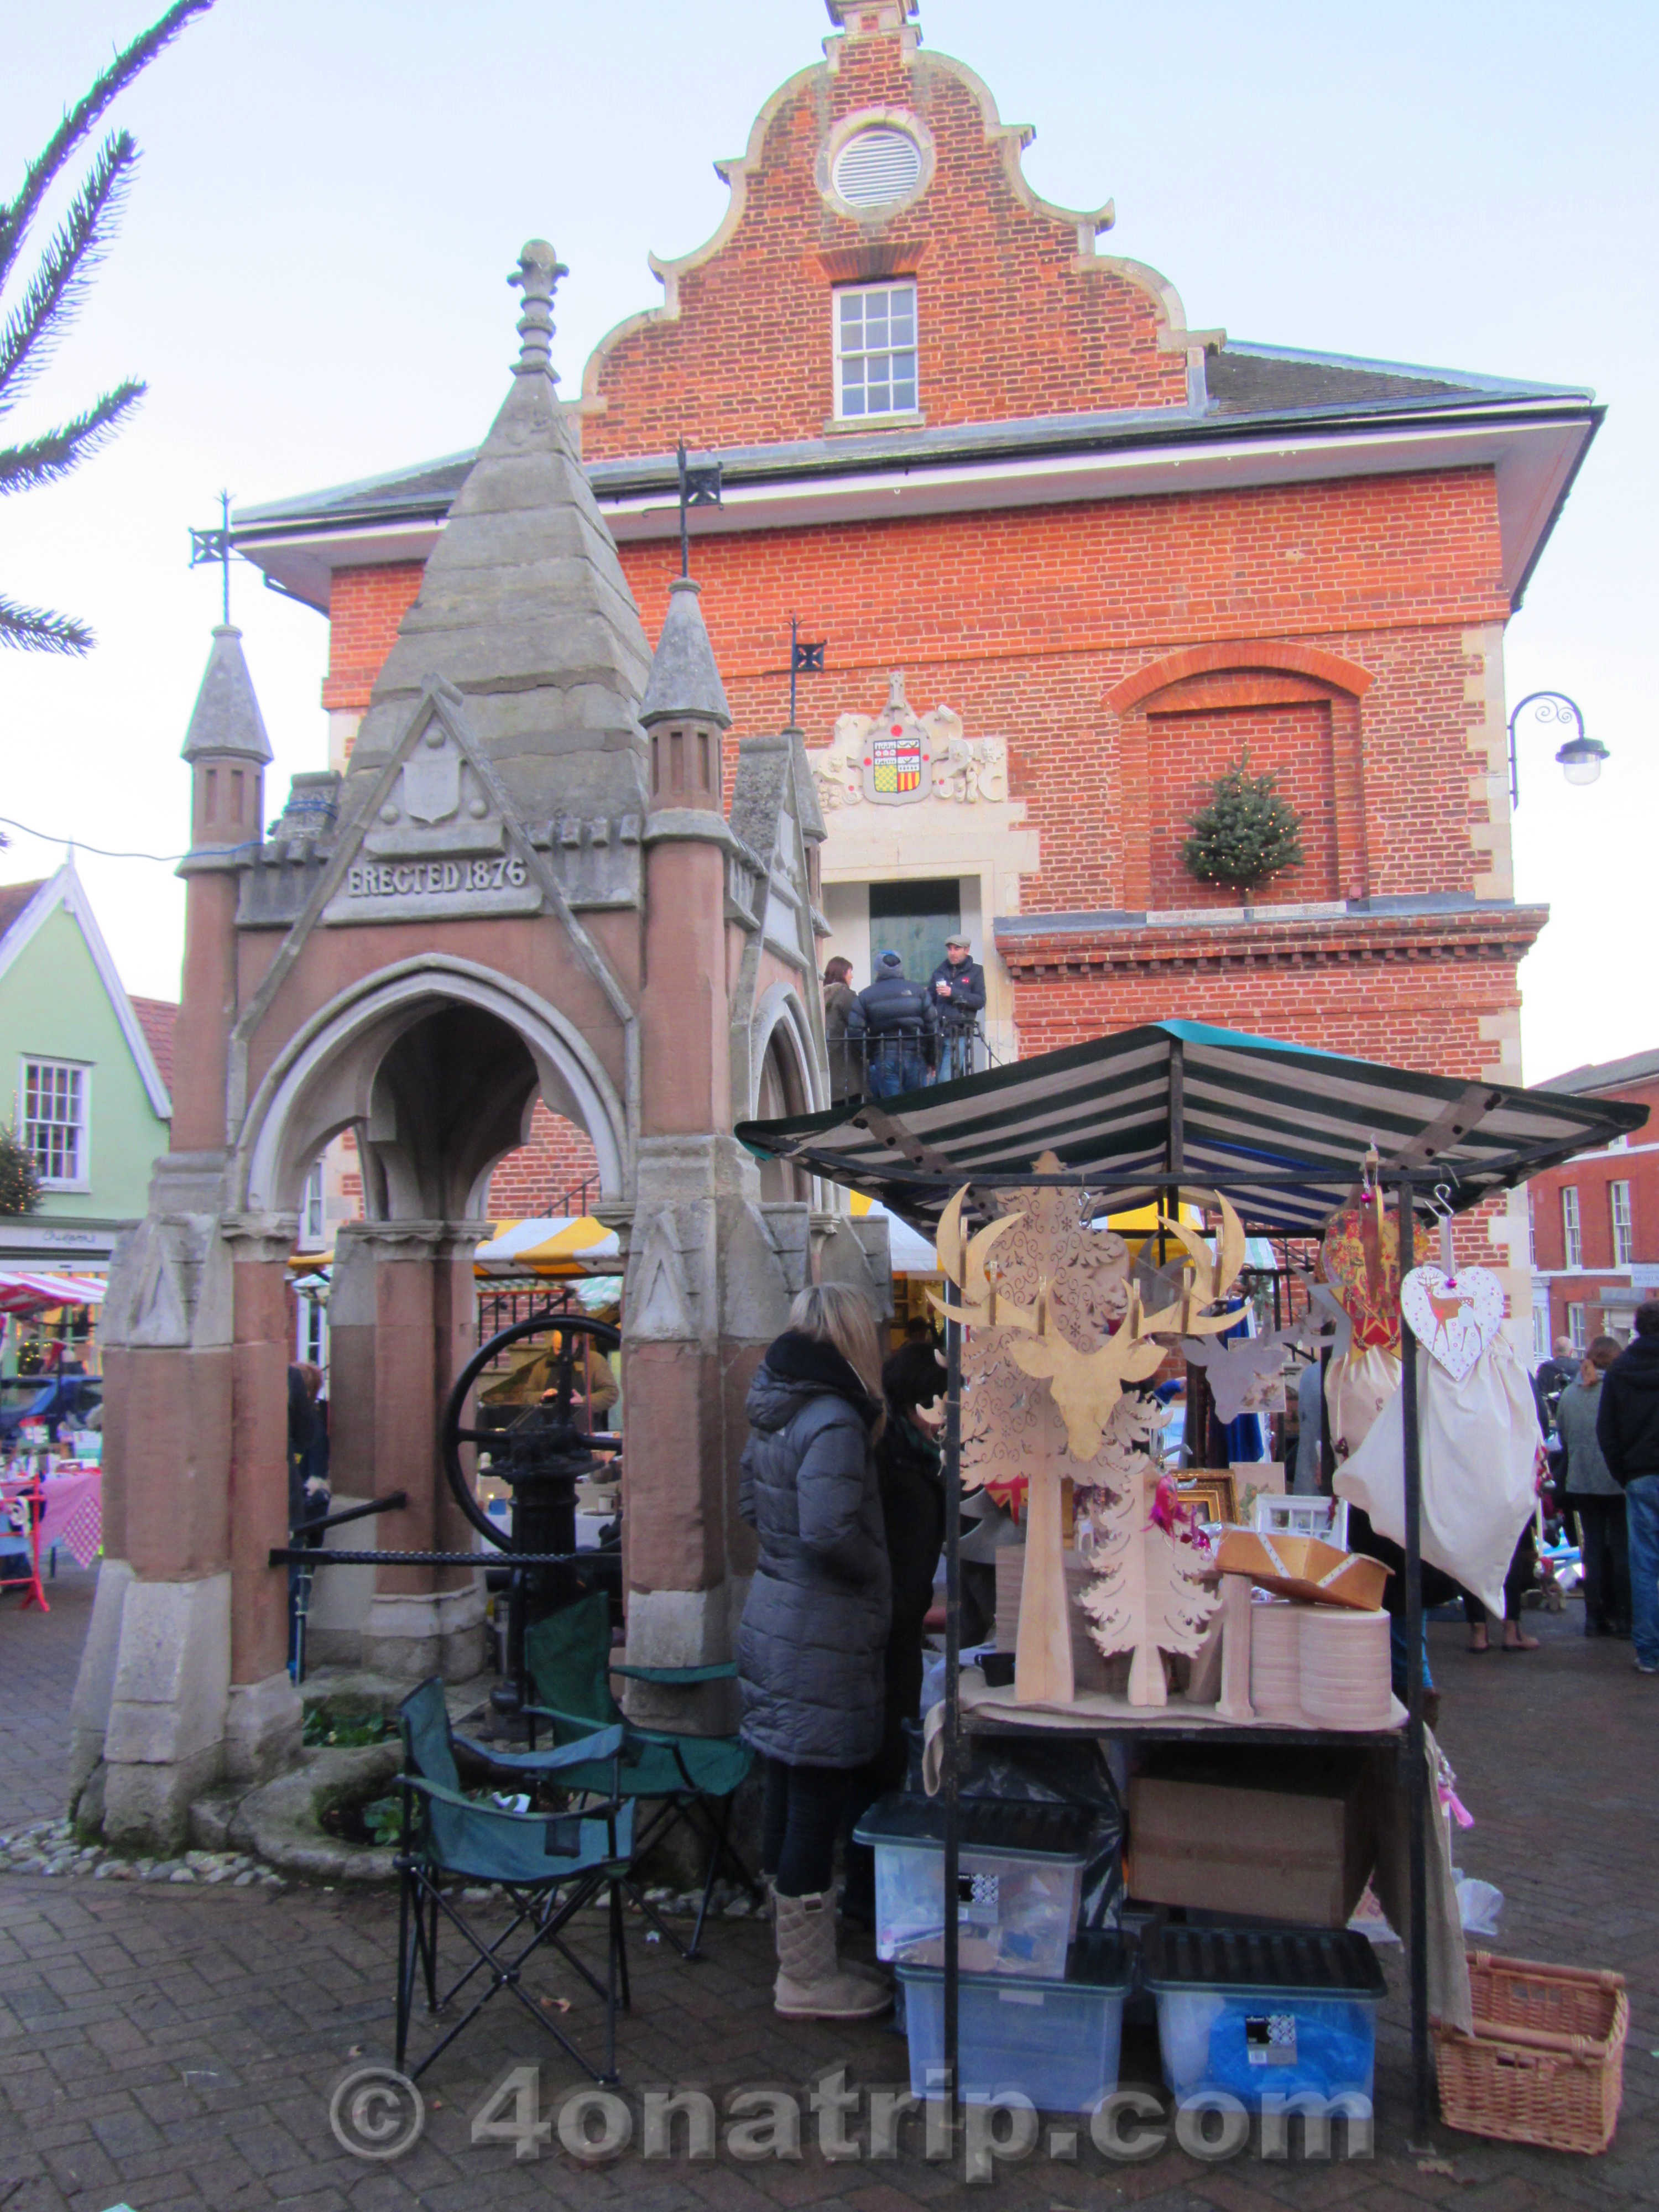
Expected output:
(410, 1635)
(164, 1743)
(94, 1684)
(684, 1628)
(263, 1727)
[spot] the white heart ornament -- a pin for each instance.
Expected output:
(1454, 1317)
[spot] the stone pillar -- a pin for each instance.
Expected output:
(263, 1725)
(402, 1322)
(148, 1717)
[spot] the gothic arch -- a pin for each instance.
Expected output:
(780, 1018)
(326, 1077)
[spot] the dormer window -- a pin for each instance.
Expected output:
(875, 341)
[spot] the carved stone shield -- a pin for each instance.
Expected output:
(432, 784)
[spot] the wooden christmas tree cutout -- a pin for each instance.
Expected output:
(1046, 1299)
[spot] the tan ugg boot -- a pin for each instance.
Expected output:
(811, 1984)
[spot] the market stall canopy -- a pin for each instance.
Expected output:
(555, 1245)
(22, 1295)
(909, 1254)
(1286, 1129)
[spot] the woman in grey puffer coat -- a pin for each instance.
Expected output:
(811, 1650)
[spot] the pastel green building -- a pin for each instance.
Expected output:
(83, 1076)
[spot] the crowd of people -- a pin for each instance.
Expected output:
(896, 1034)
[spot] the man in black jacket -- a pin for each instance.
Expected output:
(896, 1020)
(957, 988)
(1627, 1430)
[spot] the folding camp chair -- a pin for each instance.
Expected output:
(532, 1858)
(567, 1654)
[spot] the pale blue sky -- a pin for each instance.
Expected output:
(311, 275)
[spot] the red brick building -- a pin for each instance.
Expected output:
(1596, 1222)
(1109, 553)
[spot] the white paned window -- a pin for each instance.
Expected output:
(1532, 1232)
(54, 1119)
(1624, 1226)
(1572, 1240)
(875, 331)
(877, 167)
(1575, 1326)
(311, 1210)
(311, 1336)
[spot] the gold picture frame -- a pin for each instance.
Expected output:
(1212, 1496)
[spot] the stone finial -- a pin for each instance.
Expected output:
(684, 681)
(536, 276)
(861, 18)
(226, 718)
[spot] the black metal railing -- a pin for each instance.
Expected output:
(907, 1056)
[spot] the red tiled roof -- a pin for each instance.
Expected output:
(14, 897)
(156, 1018)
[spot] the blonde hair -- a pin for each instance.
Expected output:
(836, 1314)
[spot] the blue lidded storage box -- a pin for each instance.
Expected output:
(1256, 2012)
(1019, 1881)
(1052, 2039)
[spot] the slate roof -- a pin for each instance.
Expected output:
(1268, 386)
(156, 1018)
(1606, 1075)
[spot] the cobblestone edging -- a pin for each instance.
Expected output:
(51, 1847)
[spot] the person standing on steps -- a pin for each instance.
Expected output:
(896, 1017)
(846, 1054)
(812, 1646)
(957, 988)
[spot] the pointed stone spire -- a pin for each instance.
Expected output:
(226, 719)
(525, 609)
(684, 680)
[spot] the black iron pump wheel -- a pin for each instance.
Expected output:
(535, 1424)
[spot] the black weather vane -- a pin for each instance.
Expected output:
(207, 545)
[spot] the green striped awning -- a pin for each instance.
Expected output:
(1282, 1128)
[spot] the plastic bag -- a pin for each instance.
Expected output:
(1063, 1772)
(1478, 1905)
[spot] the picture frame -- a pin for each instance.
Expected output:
(1212, 1496)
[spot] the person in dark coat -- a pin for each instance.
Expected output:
(811, 1650)
(307, 1484)
(845, 1056)
(897, 1017)
(957, 988)
(1627, 1430)
(1593, 1496)
(907, 1468)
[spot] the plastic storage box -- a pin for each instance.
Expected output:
(1019, 1880)
(1265, 2011)
(1052, 2039)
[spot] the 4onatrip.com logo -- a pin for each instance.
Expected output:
(377, 2113)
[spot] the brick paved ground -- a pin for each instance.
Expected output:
(169, 2049)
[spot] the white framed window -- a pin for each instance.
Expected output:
(311, 1212)
(311, 1337)
(1532, 1232)
(875, 344)
(55, 1096)
(1572, 1238)
(1575, 1331)
(1624, 1225)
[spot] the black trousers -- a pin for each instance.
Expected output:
(1523, 1570)
(802, 1817)
(1605, 1550)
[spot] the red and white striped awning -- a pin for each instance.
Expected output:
(34, 1293)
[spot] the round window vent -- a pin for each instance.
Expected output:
(877, 168)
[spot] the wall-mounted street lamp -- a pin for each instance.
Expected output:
(1581, 757)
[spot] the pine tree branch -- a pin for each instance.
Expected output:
(53, 295)
(45, 459)
(37, 178)
(33, 630)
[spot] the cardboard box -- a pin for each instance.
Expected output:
(1302, 1852)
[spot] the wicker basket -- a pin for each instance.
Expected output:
(1546, 2064)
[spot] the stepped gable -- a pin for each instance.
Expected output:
(525, 609)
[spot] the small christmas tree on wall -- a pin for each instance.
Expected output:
(19, 1178)
(1247, 833)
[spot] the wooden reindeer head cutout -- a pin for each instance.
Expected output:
(1084, 1385)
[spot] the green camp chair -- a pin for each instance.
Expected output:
(549, 1867)
(692, 1777)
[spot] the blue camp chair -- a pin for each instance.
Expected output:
(691, 1777)
(548, 1865)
